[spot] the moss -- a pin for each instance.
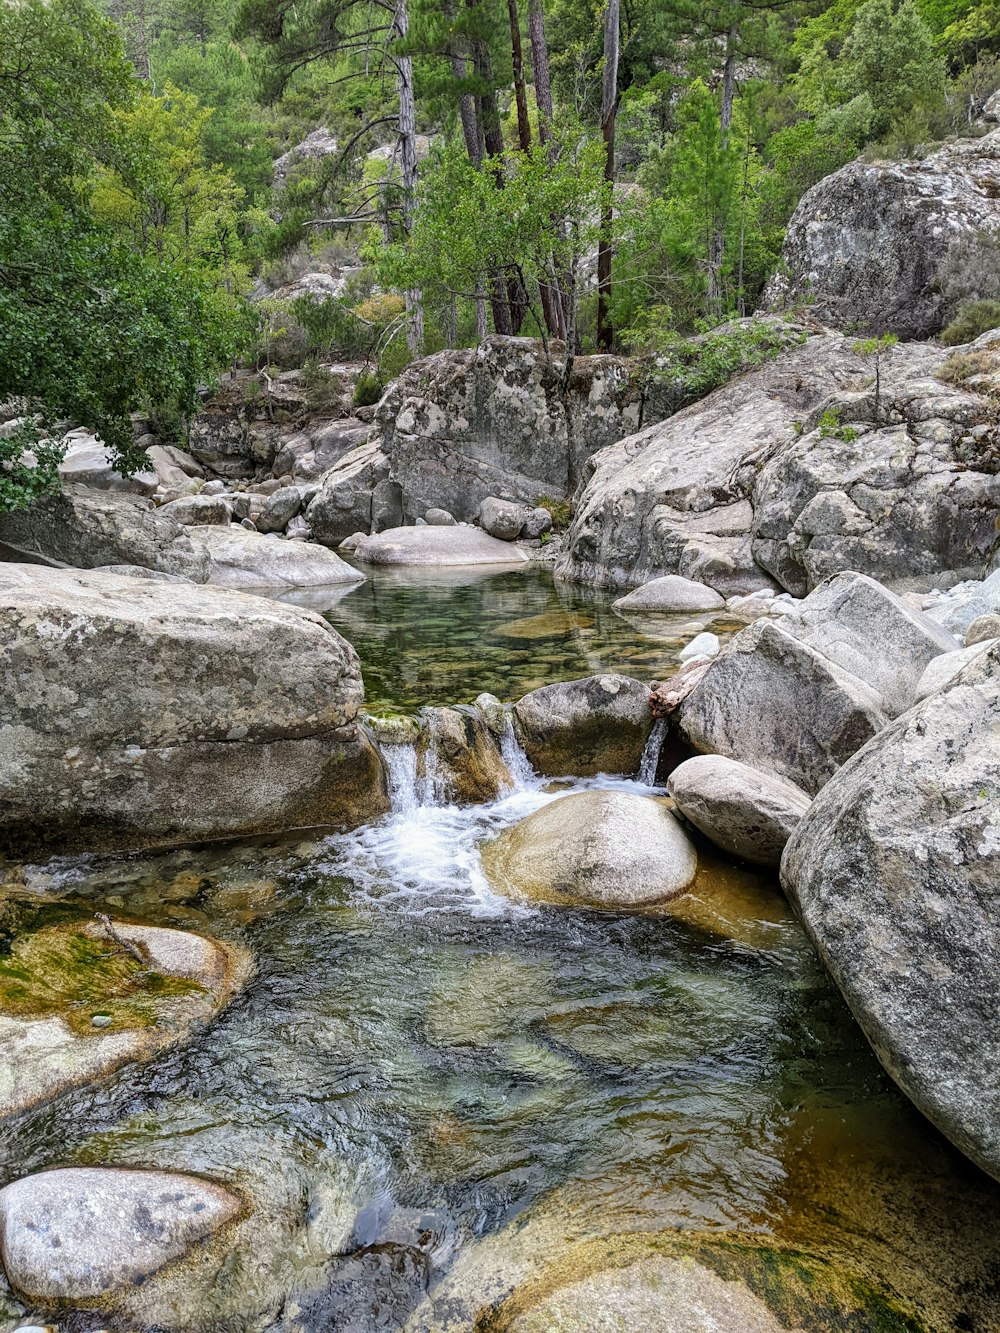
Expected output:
(64, 972)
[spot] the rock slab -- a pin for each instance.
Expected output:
(80, 1233)
(894, 874)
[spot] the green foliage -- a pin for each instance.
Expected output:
(698, 365)
(368, 390)
(94, 321)
(323, 388)
(29, 467)
(561, 511)
(830, 427)
(874, 346)
(971, 321)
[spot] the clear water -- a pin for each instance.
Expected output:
(445, 639)
(419, 1065)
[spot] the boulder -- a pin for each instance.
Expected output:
(440, 518)
(867, 245)
(458, 757)
(437, 546)
(344, 503)
(78, 1002)
(983, 628)
(317, 145)
(89, 462)
(80, 1233)
(240, 432)
(869, 631)
(595, 848)
(231, 714)
(537, 523)
(84, 529)
(503, 519)
(745, 812)
(778, 705)
(797, 470)
(244, 559)
(893, 872)
(582, 727)
(194, 510)
(463, 425)
(702, 645)
(944, 669)
(670, 594)
(278, 510)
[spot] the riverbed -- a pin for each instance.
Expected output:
(430, 1088)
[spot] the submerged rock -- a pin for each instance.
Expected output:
(894, 874)
(142, 713)
(82, 1233)
(78, 1002)
(582, 727)
(427, 545)
(747, 813)
(84, 529)
(242, 559)
(596, 848)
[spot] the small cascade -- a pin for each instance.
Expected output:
(651, 754)
(518, 763)
(401, 761)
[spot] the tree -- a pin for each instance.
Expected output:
(92, 325)
(609, 117)
(890, 59)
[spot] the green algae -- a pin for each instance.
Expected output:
(66, 972)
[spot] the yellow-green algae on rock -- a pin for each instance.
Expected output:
(78, 1001)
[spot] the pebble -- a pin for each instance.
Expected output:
(101, 1021)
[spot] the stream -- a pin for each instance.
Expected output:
(421, 1072)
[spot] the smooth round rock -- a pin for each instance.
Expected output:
(440, 518)
(77, 1233)
(671, 593)
(982, 630)
(595, 848)
(437, 546)
(702, 645)
(745, 812)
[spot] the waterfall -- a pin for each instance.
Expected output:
(512, 753)
(651, 754)
(401, 761)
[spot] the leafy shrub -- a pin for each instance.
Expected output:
(323, 389)
(976, 318)
(29, 467)
(830, 427)
(368, 390)
(696, 366)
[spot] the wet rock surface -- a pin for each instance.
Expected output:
(606, 849)
(81, 1233)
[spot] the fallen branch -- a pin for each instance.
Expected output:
(125, 946)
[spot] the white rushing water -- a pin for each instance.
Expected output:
(651, 754)
(426, 851)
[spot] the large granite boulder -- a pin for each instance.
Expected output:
(595, 848)
(84, 529)
(489, 421)
(802, 468)
(138, 712)
(459, 758)
(798, 696)
(357, 494)
(429, 545)
(894, 874)
(81, 1233)
(582, 727)
(89, 462)
(866, 246)
(244, 559)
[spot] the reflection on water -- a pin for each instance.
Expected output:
(445, 640)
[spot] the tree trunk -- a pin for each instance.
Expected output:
(609, 118)
(517, 59)
(540, 67)
(408, 157)
(471, 129)
(717, 244)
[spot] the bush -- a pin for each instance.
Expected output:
(963, 366)
(368, 390)
(976, 318)
(323, 389)
(29, 468)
